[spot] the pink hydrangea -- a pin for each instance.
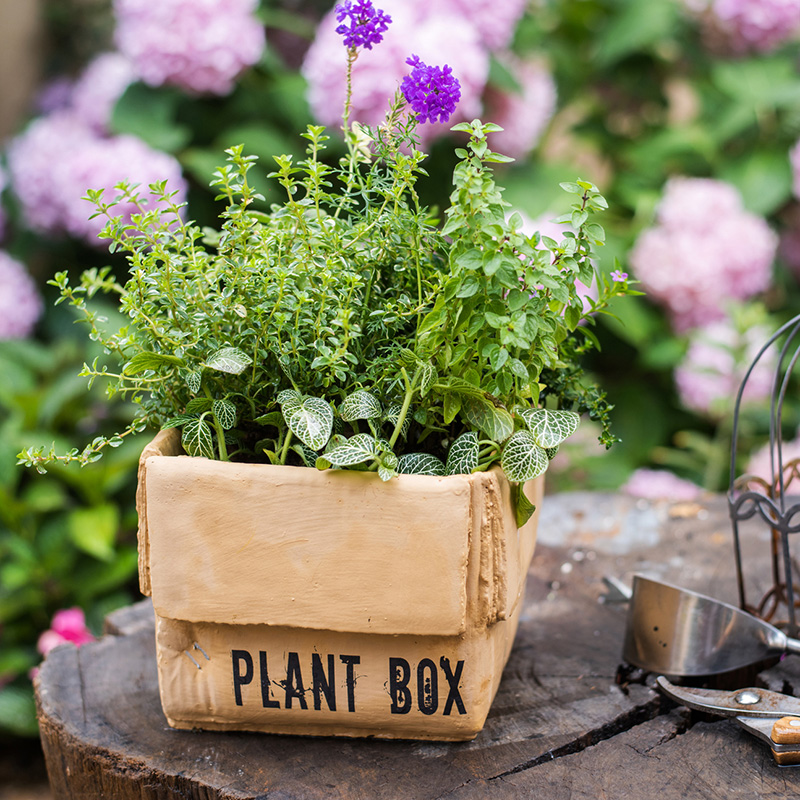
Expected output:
(660, 484)
(704, 251)
(525, 115)
(201, 46)
(50, 190)
(20, 303)
(422, 29)
(709, 377)
(96, 92)
(495, 22)
(760, 25)
(760, 463)
(3, 182)
(67, 626)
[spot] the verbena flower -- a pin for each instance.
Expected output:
(200, 46)
(362, 24)
(522, 115)
(432, 92)
(704, 251)
(417, 27)
(20, 303)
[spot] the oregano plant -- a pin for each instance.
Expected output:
(344, 328)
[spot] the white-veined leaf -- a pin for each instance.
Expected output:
(495, 422)
(308, 456)
(393, 414)
(197, 439)
(387, 467)
(360, 405)
(552, 452)
(462, 458)
(427, 379)
(420, 464)
(550, 428)
(178, 421)
(225, 412)
(355, 450)
(229, 359)
(311, 421)
(193, 380)
(289, 397)
(522, 458)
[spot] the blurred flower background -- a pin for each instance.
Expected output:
(685, 113)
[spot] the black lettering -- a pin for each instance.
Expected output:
(427, 688)
(350, 661)
(266, 701)
(322, 683)
(399, 675)
(452, 678)
(294, 681)
(238, 657)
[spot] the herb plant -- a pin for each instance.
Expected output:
(346, 327)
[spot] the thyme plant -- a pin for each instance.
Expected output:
(345, 328)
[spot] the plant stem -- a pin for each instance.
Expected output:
(401, 417)
(285, 449)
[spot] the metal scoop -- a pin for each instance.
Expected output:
(677, 632)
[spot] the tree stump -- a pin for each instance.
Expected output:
(567, 722)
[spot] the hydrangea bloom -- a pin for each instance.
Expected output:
(705, 251)
(495, 22)
(712, 371)
(198, 45)
(68, 625)
(366, 23)
(432, 92)
(760, 462)
(3, 181)
(660, 484)
(421, 28)
(96, 92)
(50, 190)
(522, 116)
(20, 304)
(760, 25)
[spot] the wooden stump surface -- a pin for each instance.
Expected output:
(568, 722)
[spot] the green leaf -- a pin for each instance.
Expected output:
(225, 412)
(427, 379)
(144, 361)
(420, 464)
(197, 439)
(355, 450)
(393, 414)
(360, 405)
(452, 405)
(229, 359)
(151, 114)
(523, 508)
(522, 458)
(193, 380)
(387, 466)
(18, 711)
(198, 405)
(178, 421)
(308, 455)
(94, 530)
(550, 428)
(309, 419)
(462, 458)
(495, 422)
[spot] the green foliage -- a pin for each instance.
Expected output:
(344, 301)
(63, 538)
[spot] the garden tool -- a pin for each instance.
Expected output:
(770, 716)
(675, 631)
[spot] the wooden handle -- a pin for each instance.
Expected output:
(786, 731)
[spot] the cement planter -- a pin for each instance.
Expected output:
(290, 600)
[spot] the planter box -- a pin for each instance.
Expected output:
(290, 600)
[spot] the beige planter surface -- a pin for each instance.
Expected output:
(290, 600)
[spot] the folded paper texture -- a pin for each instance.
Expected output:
(303, 601)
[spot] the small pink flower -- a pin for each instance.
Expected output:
(656, 484)
(618, 276)
(67, 626)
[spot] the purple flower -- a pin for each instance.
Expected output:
(657, 484)
(619, 276)
(20, 304)
(98, 89)
(432, 92)
(366, 23)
